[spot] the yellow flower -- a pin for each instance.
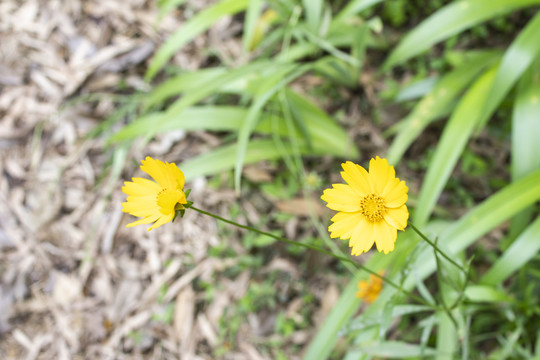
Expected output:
(371, 206)
(155, 201)
(369, 290)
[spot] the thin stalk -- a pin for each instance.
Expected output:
(436, 248)
(316, 248)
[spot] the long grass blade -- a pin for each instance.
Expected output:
(448, 21)
(517, 59)
(179, 84)
(354, 7)
(525, 130)
(498, 208)
(267, 88)
(224, 158)
(313, 10)
(438, 101)
(321, 128)
(522, 250)
(250, 23)
(195, 26)
(453, 140)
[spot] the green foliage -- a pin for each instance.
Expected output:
(469, 94)
(463, 87)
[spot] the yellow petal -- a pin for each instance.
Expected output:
(146, 182)
(138, 202)
(380, 173)
(357, 177)
(173, 176)
(153, 168)
(139, 208)
(178, 176)
(362, 238)
(146, 220)
(140, 187)
(341, 198)
(385, 236)
(397, 217)
(344, 224)
(397, 196)
(162, 220)
(165, 174)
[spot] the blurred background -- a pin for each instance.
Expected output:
(259, 102)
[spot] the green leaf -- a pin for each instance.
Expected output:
(498, 208)
(193, 96)
(417, 89)
(448, 21)
(313, 10)
(363, 322)
(438, 101)
(322, 344)
(453, 140)
(523, 249)
(213, 118)
(324, 133)
(193, 27)
(395, 349)
(525, 129)
(267, 87)
(354, 7)
(224, 158)
(446, 337)
(526, 124)
(250, 23)
(519, 56)
(485, 293)
(181, 83)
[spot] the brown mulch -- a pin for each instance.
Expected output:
(74, 282)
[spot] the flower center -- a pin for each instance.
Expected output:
(167, 199)
(372, 206)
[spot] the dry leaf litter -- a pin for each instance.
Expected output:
(74, 282)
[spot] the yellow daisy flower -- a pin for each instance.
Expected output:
(156, 201)
(369, 290)
(371, 206)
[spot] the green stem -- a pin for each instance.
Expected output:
(436, 248)
(316, 248)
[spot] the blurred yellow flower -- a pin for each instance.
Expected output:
(369, 290)
(371, 206)
(156, 201)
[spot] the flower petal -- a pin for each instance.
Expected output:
(344, 224)
(380, 173)
(139, 207)
(145, 220)
(357, 177)
(162, 220)
(385, 236)
(153, 168)
(341, 198)
(140, 187)
(168, 175)
(397, 196)
(362, 238)
(397, 217)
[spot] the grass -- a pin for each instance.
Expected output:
(258, 105)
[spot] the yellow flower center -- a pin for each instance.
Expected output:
(167, 200)
(372, 206)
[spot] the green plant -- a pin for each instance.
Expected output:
(470, 94)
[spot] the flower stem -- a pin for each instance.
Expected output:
(316, 248)
(436, 248)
